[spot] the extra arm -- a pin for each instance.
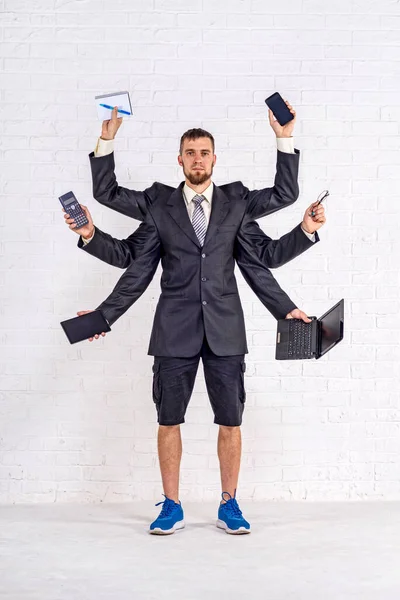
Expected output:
(138, 276)
(114, 252)
(107, 191)
(273, 253)
(253, 266)
(284, 192)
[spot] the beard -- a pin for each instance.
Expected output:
(199, 177)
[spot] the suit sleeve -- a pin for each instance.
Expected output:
(114, 252)
(284, 192)
(260, 279)
(107, 191)
(274, 253)
(139, 274)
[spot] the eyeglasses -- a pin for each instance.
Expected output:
(322, 196)
(320, 199)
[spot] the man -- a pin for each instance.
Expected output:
(199, 312)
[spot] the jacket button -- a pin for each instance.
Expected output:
(203, 256)
(204, 278)
(204, 302)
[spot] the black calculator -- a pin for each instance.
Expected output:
(71, 206)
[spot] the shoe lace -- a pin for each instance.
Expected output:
(168, 506)
(231, 505)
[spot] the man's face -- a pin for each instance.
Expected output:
(197, 160)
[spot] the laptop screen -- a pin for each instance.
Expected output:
(331, 327)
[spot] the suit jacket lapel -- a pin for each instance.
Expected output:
(178, 211)
(219, 210)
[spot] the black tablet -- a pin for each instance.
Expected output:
(85, 327)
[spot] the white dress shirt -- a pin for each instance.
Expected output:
(189, 194)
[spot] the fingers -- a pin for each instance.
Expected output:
(298, 314)
(290, 107)
(114, 114)
(271, 117)
(316, 210)
(70, 222)
(319, 212)
(302, 315)
(304, 318)
(96, 337)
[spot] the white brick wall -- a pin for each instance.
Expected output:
(77, 422)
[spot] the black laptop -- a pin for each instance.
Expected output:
(298, 340)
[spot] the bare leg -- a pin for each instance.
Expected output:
(229, 453)
(169, 456)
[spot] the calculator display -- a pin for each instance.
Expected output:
(69, 199)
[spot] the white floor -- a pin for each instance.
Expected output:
(296, 551)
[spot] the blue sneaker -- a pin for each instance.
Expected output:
(230, 516)
(170, 518)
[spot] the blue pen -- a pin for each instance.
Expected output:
(125, 112)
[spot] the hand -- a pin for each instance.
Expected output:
(282, 131)
(87, 230)
(298, 314)
(85, 312)
(312, 223)
(110, 127)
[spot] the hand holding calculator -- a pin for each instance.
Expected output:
(76, 215)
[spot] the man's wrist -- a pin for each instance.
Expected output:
(285, 144)
(104, 147)
(306, 229)
(88, 238)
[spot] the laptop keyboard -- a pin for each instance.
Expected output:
(300, 336)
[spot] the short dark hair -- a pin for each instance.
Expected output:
(195, 134)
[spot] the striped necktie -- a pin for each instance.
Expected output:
(199, 219)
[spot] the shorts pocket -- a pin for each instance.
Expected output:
(242, 391)
(156, 383)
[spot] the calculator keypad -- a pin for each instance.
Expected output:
(76, 213)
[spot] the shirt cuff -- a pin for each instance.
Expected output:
(311, 236)
(87, 240)
(285, 145)
(104, 147)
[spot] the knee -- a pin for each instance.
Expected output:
(169, 428)
(228, 431)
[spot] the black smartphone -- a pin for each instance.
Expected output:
(71, 206)
(281, 112)
(85, 327)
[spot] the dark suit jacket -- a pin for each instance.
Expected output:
(199, 292)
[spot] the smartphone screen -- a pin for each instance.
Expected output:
(279, 108)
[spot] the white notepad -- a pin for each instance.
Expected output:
(120, 99)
